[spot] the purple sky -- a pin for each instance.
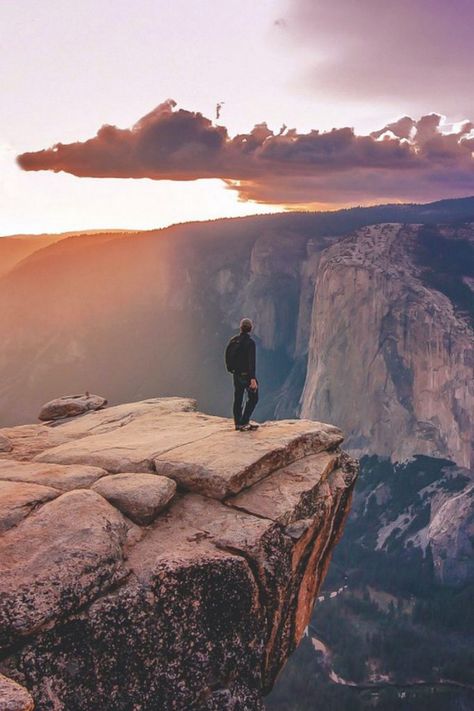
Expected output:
(413, 55)
(352, 65)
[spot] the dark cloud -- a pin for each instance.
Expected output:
(164, 144)
(405, 160)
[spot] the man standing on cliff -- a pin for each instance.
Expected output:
(240, 361)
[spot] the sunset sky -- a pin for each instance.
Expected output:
(354, 102)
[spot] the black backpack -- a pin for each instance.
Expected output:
(231, 353)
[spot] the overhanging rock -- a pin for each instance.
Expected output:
(200, 608)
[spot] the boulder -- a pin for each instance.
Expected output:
(70, 406)
(141, 497)
(58, 559)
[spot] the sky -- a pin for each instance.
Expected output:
(121, 114)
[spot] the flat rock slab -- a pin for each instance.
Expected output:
(288, 494)
(227, 461)
(133, 447)
(59, 476)
(29, 440)
(70, 406)
(59, 558)
(141, 497)
(118, 416)
(18, 499)
(14, 697)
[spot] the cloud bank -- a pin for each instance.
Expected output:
(406, 160)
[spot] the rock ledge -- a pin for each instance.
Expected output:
(153, 557)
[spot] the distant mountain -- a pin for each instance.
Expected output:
(14, 248)
(17, 247)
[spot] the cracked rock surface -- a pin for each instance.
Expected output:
(155, 558)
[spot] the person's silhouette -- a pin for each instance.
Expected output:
(241, 362)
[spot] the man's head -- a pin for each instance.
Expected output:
(246, 325)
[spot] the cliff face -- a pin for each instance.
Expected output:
(390, 358)
(153, 557)
(372, 343)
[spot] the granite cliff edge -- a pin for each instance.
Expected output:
(151, 557)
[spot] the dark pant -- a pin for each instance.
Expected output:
(241, 385)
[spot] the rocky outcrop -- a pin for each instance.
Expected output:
(70, 406)
(157, 558)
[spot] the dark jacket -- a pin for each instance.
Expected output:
(246, 358)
